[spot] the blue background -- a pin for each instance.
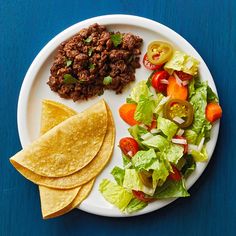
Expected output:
(210, 26)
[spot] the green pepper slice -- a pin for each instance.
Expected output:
(146, 178)
(179, 108)
(159, 52)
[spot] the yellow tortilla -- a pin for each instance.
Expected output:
(69, 146)
(81, 195)
(55, 200)
(84, 175)
(53, 113)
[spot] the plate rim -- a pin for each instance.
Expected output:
(63, 35)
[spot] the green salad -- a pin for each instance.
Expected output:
(171, 115)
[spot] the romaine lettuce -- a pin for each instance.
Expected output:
(157, 142)
(191, 136)
(182, 62)
(200, 156)
(144, 110)
(168, 127)
(133, 182)
(115, 194)
(173, 153)
(118, 175)
(144, 160)
(171, 189)
(135, 205)
(136, 132)
(140, 89)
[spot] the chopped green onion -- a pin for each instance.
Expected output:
(107, 80)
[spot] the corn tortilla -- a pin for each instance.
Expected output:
(84, 175)
(82, 194)
(53, 113)
(69, 146)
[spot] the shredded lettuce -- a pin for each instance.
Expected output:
(144, 110)
(171, 189)
(182, 62)
(189, 166)
(115, 194)
(135, 205)
(118, 175)
(168, 127)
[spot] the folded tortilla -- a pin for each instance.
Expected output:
(69, 146)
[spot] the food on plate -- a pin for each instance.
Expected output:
(82, 176)
(171, 115)
(58, 200)
(93, 60)
(69, 146)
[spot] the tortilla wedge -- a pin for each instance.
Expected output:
(69, 146)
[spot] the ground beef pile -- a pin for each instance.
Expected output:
(94, 60)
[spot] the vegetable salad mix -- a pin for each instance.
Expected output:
(170, 117)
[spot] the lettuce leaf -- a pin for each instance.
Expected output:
(126, 161)
(144, 110)
(191, 136)
(199, 102)
(168, 127)
(135, 205)
(133, 182)
(211, 96)
(171, 189)
(173, 153)
(182, 62)
(189, 166)
(115, 194)
(118, 175)
(160, 174)
(140, 89)
(200, 156)
(157, 142)
(136, 132)
(144, 160)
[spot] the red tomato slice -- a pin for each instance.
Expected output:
(153, 125)
(185, 146)
(183, 76)
(141, 196)
(129, 146)
(176, 176)
(157, 81)
(149, 65)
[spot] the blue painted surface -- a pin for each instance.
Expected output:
(210, 26)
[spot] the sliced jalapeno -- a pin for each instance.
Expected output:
(146, 178)
(179, 108)
(159, 52)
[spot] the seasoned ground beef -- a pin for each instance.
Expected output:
(94, 60)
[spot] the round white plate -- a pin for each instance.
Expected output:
(34, 89)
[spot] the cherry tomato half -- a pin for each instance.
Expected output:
(183, 76)
(185, 146)
(149, 65)
(175, 175)
(157, 83)
(129, 146)
(141, 196)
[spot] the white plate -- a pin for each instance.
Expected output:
(34, 89)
